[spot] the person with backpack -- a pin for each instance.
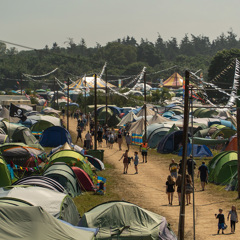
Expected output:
(191, 165)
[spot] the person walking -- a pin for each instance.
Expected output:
(125, 162)
(170, 189)
(233, 218)
(203, 173)
(173, 167)
(191, 165)
(179, 187)
(100, 136)
(111, 140)
(128, 140)
(88, 138)
(189, 189)
(119, 139)
(144, 150)
(79, 133)
(136, 161)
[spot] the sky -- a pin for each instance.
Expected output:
(39, 23)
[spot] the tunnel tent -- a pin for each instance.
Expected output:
(171, 142)
(40, 126)
(204, 113)
(226, 131)
(59, 205)
(197, 111)
(63, 174)
(10, 201)
(124, 220)
(30, 222)
(72, 158)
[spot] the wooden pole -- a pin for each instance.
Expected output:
(145, 108)
(106, 92)
(238, 140)
(54, 93)
(21, 85)
(68, 105)
(95, 111)
(184, 158)
(85, 98)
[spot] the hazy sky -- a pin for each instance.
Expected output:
(38, 23)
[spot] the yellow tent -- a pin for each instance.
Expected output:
(175, 81)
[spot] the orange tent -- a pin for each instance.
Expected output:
(232, 146)
(175, 81)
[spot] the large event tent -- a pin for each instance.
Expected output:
(124, 220)
(174, 81)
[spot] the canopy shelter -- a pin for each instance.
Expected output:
(174, 81)
(59, 205)
(41, 181)
(35, 223)
(72, 158)
(124, 220)
(55, 136)
(84, 180)
(63, 174)
(88, 82)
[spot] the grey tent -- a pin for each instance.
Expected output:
(59, 205)
(124, 220)
(29, 223)
(64, 175)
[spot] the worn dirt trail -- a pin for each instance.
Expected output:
(147, 189)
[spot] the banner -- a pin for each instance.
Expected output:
(17, 112)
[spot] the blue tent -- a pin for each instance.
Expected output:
(171, 142)
(168, 114)
(55, 136)
(198, 151)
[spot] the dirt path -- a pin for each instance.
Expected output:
(147, 189)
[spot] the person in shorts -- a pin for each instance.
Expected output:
(221, 221)
(203, 173)
(173, 168)
(144, 150)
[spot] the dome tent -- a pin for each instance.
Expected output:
(124, 220)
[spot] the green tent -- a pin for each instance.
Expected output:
(208, 142)
(10, 201)
(41, 125)
(5, 179)
(226, 173)
(216, 164)
(35, 223)
(72, 158)
(226, 131)
(102, 114)
(123, 220)
(63, 174)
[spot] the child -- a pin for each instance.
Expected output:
(233, 219)
(136, 161)
(170, 189)
(221, 221)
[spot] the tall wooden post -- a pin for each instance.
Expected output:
(68, 105)
(95, 111)
(85, 98)
(54, 93)
(21, 85)
(145, 108)
(106, 92)
(184, 158)
(238, 140)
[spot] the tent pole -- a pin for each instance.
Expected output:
(67, 105)
(95, 111)
(194, 229)
(85, 98)
(145, 108)
(184, 158)
(106, 92)
(238, 140)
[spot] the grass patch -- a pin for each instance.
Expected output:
(88, 200)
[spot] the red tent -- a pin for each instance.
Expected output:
(84, 180)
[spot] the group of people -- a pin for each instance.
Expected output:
(127, 161)
(175, 179)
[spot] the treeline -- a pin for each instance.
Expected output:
(125, 57)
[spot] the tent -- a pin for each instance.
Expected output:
(54, 120)
(198, 151)
(123, 220)
(4, 138)
(158, 119)
(127, 118)
(72, 158)
(116, 110)
(113, 121)
(84, 180)
(35, 223)
(216, 164)
(174, 81)
(171, 142)
(55, 136)
(6, 115)
(208, 142)
(97, 163)
(64, 175)
(59, 205)
(232, 145)
(148, 112)
(41, 181)
(226, 131)
(5, 178)
(38, 127)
